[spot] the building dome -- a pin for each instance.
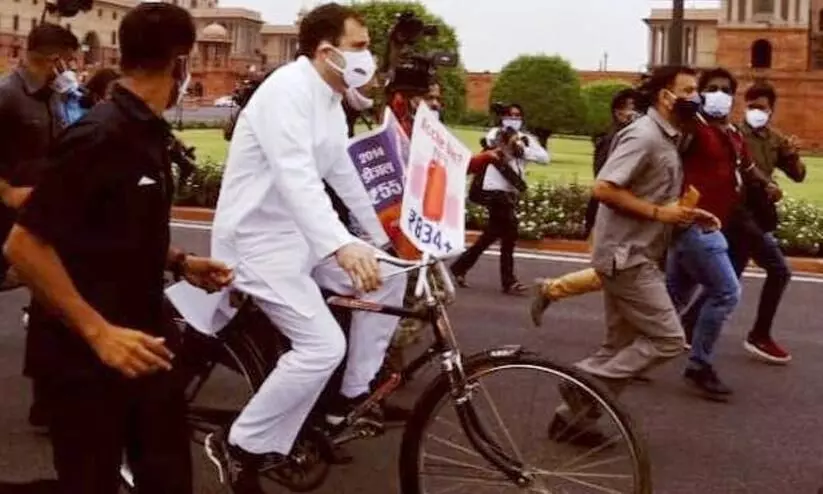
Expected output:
(214, 32)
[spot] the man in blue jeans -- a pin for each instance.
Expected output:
(715, 161)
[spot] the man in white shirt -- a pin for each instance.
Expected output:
(275, 224)
(501, 186)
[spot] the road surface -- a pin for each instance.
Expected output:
(766, 441)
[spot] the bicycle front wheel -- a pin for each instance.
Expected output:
(526, 412)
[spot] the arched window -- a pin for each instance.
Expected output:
(820, 20)
(761, 54)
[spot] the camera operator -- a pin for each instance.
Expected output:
(92, 243)
(498, 188)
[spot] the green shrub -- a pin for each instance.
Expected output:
(598, 96)
(474, 118)
(203, 187)
(548, 88)
(551, 210)
(801, 228)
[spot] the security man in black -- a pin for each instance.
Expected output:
(93, 244)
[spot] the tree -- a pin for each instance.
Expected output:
(548, 89)
(380, 16)
(598, 97)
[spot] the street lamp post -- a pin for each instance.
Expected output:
(676, 33)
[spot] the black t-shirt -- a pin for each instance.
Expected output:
(29, 123)
(104, 205)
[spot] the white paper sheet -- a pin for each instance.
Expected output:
(208, 313)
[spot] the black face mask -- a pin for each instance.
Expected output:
(686, 108)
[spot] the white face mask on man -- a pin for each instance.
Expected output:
(515, 123)
(359, 66)
(717, 104)
(757, 118)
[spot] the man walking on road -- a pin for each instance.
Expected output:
(92, 244)
(638, 189)
(31, 117)
(770, 151)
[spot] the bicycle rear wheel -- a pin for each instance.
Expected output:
(439, 455)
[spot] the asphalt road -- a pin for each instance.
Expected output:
(766, 441)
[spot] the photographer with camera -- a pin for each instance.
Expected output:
(498, 188)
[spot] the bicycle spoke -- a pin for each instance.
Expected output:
(505, 429)
(456, 446)
(601, 463)
(587, 454)
(457, 463)
(589, 484)
(487, 482)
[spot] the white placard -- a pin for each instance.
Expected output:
(434, 200)
(208, 313)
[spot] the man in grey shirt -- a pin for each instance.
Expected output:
(639, 187)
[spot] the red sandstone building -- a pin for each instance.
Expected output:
(780, 41)
(231, 42)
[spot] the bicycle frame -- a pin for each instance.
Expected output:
(446, 347)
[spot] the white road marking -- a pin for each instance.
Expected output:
(536, 256)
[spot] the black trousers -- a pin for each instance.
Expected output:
(502, 226)
(748, 242)
(94, 422)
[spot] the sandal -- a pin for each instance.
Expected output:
(516, 288)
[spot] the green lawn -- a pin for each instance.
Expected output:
(571, 160)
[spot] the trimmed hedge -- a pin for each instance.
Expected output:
(553, 210)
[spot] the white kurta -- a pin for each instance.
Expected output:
(276, 225)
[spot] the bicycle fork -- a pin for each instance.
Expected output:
(480, 439)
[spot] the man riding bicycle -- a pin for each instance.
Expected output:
(275, 224)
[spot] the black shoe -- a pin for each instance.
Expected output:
(707, 382)
(562, 430)
(237, 468)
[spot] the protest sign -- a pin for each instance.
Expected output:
(434, 207)
(380, 157)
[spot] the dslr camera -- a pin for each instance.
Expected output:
(408, 70)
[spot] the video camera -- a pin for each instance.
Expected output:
(408, 71)
(67, 8)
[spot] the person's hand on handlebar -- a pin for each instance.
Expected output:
(360, 262)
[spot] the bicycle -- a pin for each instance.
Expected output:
(249, 347)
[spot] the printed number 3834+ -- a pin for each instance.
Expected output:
(424, 231)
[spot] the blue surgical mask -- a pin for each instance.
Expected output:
(717, 104)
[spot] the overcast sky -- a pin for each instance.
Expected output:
(492, 32)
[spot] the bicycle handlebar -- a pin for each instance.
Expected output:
(422, 266)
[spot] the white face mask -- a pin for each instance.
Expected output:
(357, 101)
(65, 82)
(757, 118)
(359, 69)
(513, 123)
(717, 104)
